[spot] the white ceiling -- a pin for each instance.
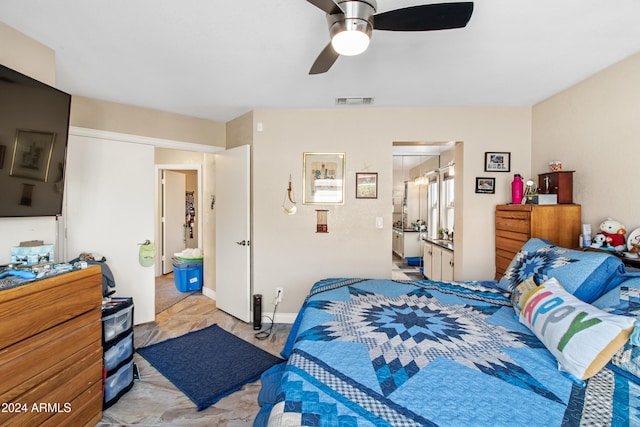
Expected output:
(219, 59)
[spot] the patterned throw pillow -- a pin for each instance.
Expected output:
(520, 293)
(587, 275)
(582, 338)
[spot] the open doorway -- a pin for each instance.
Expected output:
(419, 209)
(178, 225)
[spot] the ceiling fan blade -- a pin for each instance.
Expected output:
(440, 16)
(329, 6)
(325, 60)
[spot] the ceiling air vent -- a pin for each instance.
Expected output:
(354, 101)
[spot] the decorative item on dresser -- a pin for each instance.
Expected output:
(51, 351)
(559, 182)
(515, 224)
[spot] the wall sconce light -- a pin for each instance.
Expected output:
(289, 203)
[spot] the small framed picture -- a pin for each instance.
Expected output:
(32, 155)
(366, 185)
(485, 185)
(497, 162)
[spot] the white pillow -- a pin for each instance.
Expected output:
(581, 337)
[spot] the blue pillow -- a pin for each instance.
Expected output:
(586, 275)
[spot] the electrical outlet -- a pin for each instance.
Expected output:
(279, 292)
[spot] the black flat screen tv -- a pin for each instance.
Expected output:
(34, 128)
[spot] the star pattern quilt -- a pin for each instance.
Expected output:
(369, 352)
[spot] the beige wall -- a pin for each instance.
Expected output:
(239, 131)
(127, 119)
(594, 129)
(27, 56)
(288, 252)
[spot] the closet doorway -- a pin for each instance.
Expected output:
(178, 224)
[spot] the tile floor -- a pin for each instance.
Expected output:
(402, 271)
(154, 401)
(167, 293)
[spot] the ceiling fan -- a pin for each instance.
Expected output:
(351, 23)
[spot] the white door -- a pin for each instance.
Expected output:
(109, 209)
(173, 216)
(233, 277)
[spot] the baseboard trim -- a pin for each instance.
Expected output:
(209, 293)
(289, 318)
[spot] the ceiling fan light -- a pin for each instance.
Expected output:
(350, 43)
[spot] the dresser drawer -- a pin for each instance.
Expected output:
(502, 262)
(86, 409)
(517, 222)
(37, 359)
(511, 235)
(63, 393)
(40, 305)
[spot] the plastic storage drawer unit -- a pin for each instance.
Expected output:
(117, 384)
(117, 318)
(118, 352)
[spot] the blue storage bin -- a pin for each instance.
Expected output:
(414, 261)
(188, 279)
(185, 263)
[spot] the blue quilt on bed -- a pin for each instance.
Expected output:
(381, 352)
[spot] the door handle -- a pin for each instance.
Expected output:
(243, 243)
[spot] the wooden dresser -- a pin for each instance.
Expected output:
(51, 351)
(515, 224)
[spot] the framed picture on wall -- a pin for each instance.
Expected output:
(485, 185)
(32, 155)
(497, 162)
(323, 179)
(366, 185)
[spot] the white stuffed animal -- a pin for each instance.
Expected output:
(614, 231)
(599, 241)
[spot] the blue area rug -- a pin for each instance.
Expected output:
(208, 364)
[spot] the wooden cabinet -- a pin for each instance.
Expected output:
(515, 224)
(407, 243)
(559, 183)
(437, 262)
(447, 265)
(51, 351)
(398, 242)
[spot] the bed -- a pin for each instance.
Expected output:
(367, 352)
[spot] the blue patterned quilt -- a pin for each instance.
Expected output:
(423, 353)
